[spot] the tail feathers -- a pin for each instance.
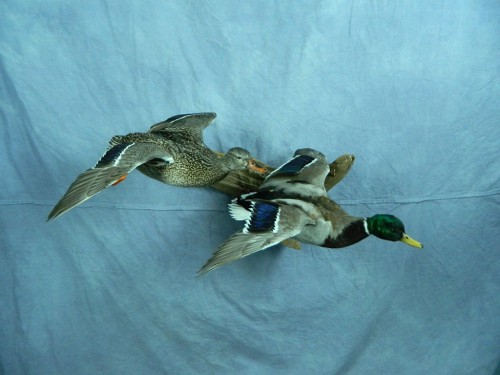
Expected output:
(238, 246)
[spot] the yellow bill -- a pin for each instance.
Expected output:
(410, 241)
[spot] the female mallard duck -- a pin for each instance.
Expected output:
(292, 203)
(171, 151)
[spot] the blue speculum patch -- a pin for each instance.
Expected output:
(263, 218)
(295, 165)
(112, 154)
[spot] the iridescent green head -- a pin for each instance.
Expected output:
(390, 228)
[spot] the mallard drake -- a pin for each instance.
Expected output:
(241, 182)
(172, 152)
(292, 203)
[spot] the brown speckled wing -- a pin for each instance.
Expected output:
(113, 166)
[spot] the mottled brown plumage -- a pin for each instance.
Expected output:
(172, 152)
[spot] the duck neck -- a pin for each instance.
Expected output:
(354, 232)
(222, 165)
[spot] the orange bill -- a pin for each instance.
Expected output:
(255, 166)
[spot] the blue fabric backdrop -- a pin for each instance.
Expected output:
(411, 88)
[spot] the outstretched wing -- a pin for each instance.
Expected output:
(112, 168)
(191, 125)
(303, 175)
(240, 245)
(266, 225)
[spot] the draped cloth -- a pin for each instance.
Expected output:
(410, 88)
